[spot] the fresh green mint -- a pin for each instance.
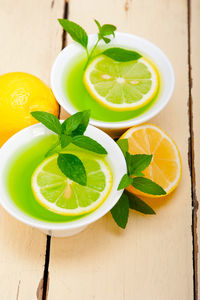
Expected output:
(125, 182)
(135, 165)
(137, 204)
(120, 211)
(123, 144)
(70, 131)
(79, 35)
(146, 185)
(76, 124)
(49, 120)
(87, 143)
(72, 167)
(122, 55)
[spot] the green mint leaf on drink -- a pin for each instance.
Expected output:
(120, 211)
(121, 55)
(137, 163)
(47, 119)
(76, 124)
(98, 24)
(146, 185)
(84, 121)
(76, 32)
(106, 40)
(125, 182)
(108, 29)
(72, 167)
(139, 205)
(123, 144)
(65, 140)
(104, 30)
(88, 144)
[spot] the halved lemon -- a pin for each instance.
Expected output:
(121, 85)
(61, 195)
(165, 168)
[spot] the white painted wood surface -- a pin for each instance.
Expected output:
(195, 77)
(29, 41)
(152, 258)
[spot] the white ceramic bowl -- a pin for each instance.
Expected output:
(128, 41)
(27, 135)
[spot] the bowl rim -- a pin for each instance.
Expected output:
(65, 103)
(18, 214)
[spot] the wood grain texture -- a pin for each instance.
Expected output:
(195, 98)
(152, 258)
(27, 39)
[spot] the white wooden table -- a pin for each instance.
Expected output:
(156, 257)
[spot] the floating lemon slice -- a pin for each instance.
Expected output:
(121, 85)
(61, 195)
(165, 168)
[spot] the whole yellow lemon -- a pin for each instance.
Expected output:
(21, 93)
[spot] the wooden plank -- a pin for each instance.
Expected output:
(27, 39)
(152, 259)
(195, 99)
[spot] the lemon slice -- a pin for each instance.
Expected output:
(121, 85)
(57, 193)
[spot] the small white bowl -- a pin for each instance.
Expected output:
(26, 136)
(128, 41)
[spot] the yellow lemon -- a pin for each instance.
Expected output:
(21, 93)
(165, 167)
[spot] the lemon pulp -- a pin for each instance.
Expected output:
(59, 194)
(121, 85)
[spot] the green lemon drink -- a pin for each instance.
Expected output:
(81, 99)
(19, 175)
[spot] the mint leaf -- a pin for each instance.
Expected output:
(104, 30)
(139, 205)
(76, 124)
(72, 167)
(108, 29)
(120, 54)
(98, 24)
(106, 40)
(137, 163)
(125, 181)
(47, 119)
(77, 33)
(85, 117)
(120, 211)
(147, 186)
(123, 144)
(89, 144)
(65, 140)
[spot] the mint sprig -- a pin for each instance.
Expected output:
(122, 55)
(79, 35)
(120, 211)
(70, 131)
(72, 167)
(137, 204)
(135, 165)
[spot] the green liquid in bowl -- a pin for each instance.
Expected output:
(79, 97)
(18, 180)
